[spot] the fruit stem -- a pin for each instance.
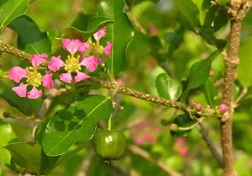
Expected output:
(110, 123)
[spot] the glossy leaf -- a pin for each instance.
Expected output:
(10, 9)
(244, 68)
(210, 38)
(30, 38)
(6, 135)
(76, 123)
(168, 87)
(24, 105)
(134, 2)
(120, 33)
(31, 157)
(199, 71)
(210, 93)
(189, 10)
(84, 26)
(216, 17)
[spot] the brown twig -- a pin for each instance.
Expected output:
(210, 144)
(237, 10)
(4, 47)
(137, 150)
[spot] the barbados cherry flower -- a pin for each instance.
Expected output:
(81, 55)
(33, 78)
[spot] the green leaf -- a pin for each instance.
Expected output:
(79, 29)
(24, 105)
(189, 10)
(30, 38)
(168, 87)
(120, 33)
(210, 93)
(10, 9)
(31, 157)
(6, 135)
(210, 38)
(216, 17)
(244, 68)
(174, 39)
(199, 71)
(74, 124)
(135, 2)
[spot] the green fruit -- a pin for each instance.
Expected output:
(109, 145)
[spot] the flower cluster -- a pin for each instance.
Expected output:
(145, 134)
(180, 146)
(83, 57)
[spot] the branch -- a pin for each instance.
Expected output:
(137, 150)
(4, 47)
(237, 11)
(210, 145)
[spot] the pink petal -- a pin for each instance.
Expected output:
(99, 34)
(107, 49)
(66, 77)
(84, 47)
(71, 45)
(47, 80)
(34, 93)
(17, 73)
(81, 77)
(91, 62)
(20, 90)
(38, 59)
(55, 63)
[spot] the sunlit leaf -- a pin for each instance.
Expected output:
(76, 123)
(189, 10)
(84, 26)
(31, 157)
(168, 87)
(244, 68)
(30, 38)
(10, 9)
(6, 135)
(200, 70)
(120, 33)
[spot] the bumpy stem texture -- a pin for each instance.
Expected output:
(4, 47)
(238, 11)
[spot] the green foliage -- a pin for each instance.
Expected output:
(168, 87)
(10, 9)
(243, 69)
(113, 10)
(158, 48)
(7, 135)
(201, 68)
(30, 38)
(77, 123)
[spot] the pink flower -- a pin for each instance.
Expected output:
(20, 90)
(198, 106)
(71, 45)
(33, 78)
(55, 63)
(183, 151)
(81, 77)
(34, 93)
(84, 47)
(66, 77)
(91, 62)
(38, 59)
(99, 34)
(17, 73)
(47, 80)
(107, 49)
(222, 108)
